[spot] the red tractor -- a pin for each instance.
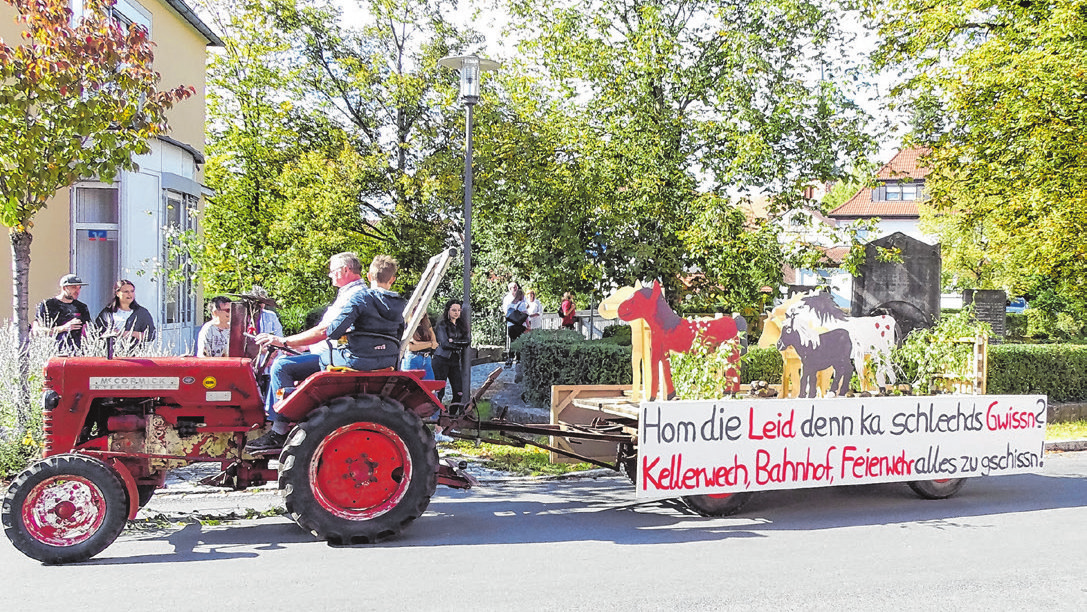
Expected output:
(359, 464)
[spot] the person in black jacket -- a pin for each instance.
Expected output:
(124, 316)
(452, 337)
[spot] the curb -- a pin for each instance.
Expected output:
(1066, 445)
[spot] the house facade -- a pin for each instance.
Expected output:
(109, 231)
(900, 184)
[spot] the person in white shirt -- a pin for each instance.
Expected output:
(214, 337)
(534, 310)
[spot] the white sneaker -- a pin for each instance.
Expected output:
(441, 438)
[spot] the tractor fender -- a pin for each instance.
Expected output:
(130, 486)
(406, 387)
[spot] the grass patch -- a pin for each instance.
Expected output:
(527, 461)
(1072, 430)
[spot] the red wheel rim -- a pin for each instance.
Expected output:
(719, 495)
(64, 510)
(360, 471)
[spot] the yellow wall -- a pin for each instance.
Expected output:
(180, 57)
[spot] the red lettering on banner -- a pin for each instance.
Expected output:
(1012, 419)
(874, 466)
(791, 470)
(674, 477)
(775, 428)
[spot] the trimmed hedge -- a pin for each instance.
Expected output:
(1058, 371)
(565, 357)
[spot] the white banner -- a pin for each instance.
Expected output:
(725, 446)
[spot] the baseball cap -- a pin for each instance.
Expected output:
(71, 279)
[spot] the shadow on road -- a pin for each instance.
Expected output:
(605, 510)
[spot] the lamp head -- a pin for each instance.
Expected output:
(470, 67)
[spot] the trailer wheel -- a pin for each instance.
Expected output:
(65, 508)
(720, 504)
(358, 469)
(937, 489)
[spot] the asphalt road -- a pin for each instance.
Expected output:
(1004, 543)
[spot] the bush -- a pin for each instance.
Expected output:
(1015, 325)
(761, 364)
(1058, 371)
(617, 334)
(564, 357)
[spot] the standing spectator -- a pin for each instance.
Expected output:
(421, 347)
(568, 311)
(124, 317)
(452, 336)
(269, 320)
(214, 337)
(515, 323)
(534, 310)
(64, 316)
(514, 288)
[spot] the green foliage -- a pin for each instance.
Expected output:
(325, 139)
(1016, 325)
(78, 99)
(564, 357)
(1008, 187)
(761, 364)
(944, 350)
(619, 334)
(705, 371)
(1058, 371)
(623, 117)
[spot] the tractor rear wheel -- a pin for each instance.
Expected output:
(720, 504)
(937, 489)
(358, 469)
(65, 508)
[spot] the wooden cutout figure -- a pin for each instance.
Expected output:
(791, 366)
(639, 337)
(828, 350)
(872, 337)
(670, 332)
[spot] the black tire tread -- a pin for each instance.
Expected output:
(718, 507)
(104, 476)
(930, 489)
(298, 499)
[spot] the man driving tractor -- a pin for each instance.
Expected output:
(367, 323)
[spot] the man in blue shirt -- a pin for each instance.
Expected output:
(367, 323)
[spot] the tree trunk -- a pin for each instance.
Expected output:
(20, 277)
(20, 289)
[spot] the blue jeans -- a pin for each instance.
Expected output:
(415, 361)
(285, 371)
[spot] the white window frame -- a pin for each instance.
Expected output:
(186, 306)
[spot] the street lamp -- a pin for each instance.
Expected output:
(470, 68)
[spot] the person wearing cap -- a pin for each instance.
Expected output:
(64, 316)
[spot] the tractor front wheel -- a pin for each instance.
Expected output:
(65, 509)
(358, 469)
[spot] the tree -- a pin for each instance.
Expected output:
(77, 100)
(666, 102)
(1008, 187)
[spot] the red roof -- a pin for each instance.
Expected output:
(903, 166)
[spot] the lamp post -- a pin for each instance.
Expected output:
(470, 68)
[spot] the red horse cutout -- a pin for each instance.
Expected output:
(671, 332)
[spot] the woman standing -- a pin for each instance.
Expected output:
(421, 349)
(568, 311)
(535, 311)
(452, 337)
(124, 317)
